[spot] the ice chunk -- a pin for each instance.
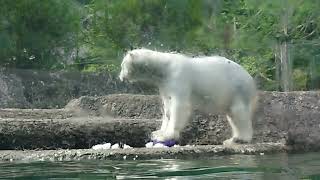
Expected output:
(149, 145)
(102, 146)
(159, 145)
(126, 146)
(115, 146)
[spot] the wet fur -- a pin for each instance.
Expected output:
(212, 84)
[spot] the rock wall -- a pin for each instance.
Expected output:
(292, 118)
(12, 91)
(43, 89)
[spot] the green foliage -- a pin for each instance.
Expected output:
(93, 35)
(300, 79)
(37, 34)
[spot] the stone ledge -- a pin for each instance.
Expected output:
(142, 153)
(73, 133)
(36, 113)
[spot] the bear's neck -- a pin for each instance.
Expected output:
(157, 67)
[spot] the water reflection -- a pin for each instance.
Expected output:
(279, 166)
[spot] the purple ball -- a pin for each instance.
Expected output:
(168, 143)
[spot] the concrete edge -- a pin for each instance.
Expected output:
(191, 152)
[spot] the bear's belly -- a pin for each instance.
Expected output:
(211, 104)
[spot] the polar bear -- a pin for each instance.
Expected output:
(211, 84)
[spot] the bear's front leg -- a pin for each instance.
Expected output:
(165, 117)
(180, 110)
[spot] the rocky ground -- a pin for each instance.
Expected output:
(283, 122)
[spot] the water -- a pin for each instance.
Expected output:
(279, 166)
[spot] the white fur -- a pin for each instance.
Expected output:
(211, 84)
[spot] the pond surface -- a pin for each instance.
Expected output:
(278, 166)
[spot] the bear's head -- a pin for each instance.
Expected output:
(140, 65)
(126, 67)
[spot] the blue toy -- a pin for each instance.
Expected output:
(168, 143)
